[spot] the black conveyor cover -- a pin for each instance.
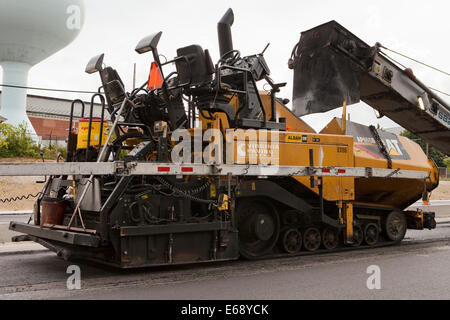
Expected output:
(331, 65)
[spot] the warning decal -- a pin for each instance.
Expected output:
(365, 141)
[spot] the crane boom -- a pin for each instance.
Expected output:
(331, 65)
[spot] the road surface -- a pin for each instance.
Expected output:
(5, 233)
(416, 269)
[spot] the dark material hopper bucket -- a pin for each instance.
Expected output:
(324, 75)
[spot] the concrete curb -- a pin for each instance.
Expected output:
(432, 203)
(13, 213)
(11, 248)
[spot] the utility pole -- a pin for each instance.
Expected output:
(134, 76)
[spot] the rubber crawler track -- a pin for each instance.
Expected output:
(325, 251)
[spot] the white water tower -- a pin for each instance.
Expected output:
(31, 31)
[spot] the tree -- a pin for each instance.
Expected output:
(447, 162)
(437, 156)
(16, 141)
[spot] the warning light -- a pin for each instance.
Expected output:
(377, 114)
(420, 103)
(155, 79)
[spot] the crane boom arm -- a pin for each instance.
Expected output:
(331, 65)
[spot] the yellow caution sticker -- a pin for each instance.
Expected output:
(223, 202)
(213, 191)
(297, 138)
(394, 152)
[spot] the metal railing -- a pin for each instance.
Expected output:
(444, 172)
(50, 140)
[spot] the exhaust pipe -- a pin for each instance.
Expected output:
(224, 32)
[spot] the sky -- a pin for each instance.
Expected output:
(417, 28)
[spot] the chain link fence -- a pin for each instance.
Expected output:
(444, 172)
(50, 140)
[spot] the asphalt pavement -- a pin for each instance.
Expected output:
(412, 270)
(5, 219)
(415, 269)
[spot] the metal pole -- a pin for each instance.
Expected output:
(134, 76)
(344, 117)
(99, 159)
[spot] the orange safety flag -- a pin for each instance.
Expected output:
(155, 79)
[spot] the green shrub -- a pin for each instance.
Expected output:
(16, 141)
(52, 153)
(447, 162)
(434, 153)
